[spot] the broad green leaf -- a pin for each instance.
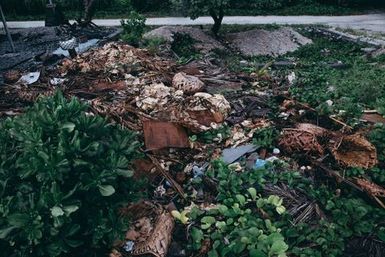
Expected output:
(176, 214)
(279, 247)
(43, 155)
(241, 199)
(220, 224)
(205, 226)
(5, 232)
(183, 218)
(57, 211)
(256, 253)
(106, 190)
(73, 243)
(208, 220)
(125, 173)
(260, 203)
(69, 126)
(18, 220)
(223, 209)
(197, 235)
(381, 234)
(253, 193)
(280, 209)
(73, 230)
(70, 209)
(213, 253)
(35, 234)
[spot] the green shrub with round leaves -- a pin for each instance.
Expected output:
(63, 175)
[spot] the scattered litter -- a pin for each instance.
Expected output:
(230, 155)
(329, 102)
(128, 246)
(259, 163)
(199, 171)
(160, 191)
(291, 78)
(69, 44)
(79, 48)
(57, 81)
(29, 78)
(163, 101)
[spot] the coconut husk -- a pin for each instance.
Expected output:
(300, 141)
(355, 151)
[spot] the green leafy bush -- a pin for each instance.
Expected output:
(63, 174)
(133, 28)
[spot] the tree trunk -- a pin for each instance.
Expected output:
(218, 18)
(89, 10)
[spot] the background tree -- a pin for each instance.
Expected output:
(89, 10)
(217, 9)
(195, 8)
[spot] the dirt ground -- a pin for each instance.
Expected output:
(265, 42)
(204, 42)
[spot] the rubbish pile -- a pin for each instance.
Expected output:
(185, 125)
(41, 46)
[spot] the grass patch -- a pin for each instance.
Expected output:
(183, 47)
(358, 84)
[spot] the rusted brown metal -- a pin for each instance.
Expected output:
(159, 135)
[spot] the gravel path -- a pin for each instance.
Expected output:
(373, 22)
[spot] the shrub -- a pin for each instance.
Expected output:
(63, 174)
(133, 28)
(154, 45)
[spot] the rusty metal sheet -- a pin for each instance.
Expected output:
(159, 135)
(373, 118)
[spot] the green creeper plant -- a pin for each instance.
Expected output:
(238, 224)
(63, 175)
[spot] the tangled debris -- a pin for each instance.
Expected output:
(348, 150)
(151, 232)
(185, 126)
